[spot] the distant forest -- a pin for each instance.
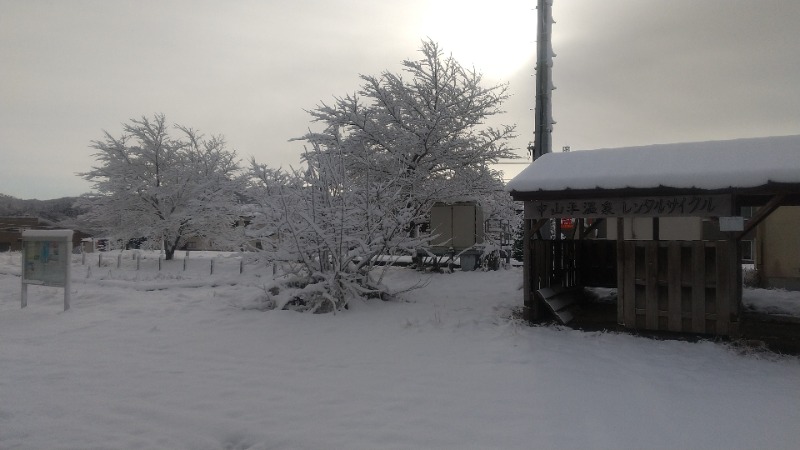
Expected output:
(56, 210)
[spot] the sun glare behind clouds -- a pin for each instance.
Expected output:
(497, 38)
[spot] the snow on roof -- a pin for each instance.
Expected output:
(740, 163)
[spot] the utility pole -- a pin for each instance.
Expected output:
(542, 141)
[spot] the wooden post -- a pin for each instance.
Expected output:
(762, 214)
(725, 257)
(651, 287)
(558, 263)
(674, 317)
(629, 306)
(698, 287)
(621, 294)
(736, 305)
(530, 309)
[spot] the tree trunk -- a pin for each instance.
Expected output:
(169, 249)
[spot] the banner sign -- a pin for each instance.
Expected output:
(656, 206)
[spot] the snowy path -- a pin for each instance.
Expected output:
(188, 368)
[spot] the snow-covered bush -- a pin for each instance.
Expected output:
(327, 231)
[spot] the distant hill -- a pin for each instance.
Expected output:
(55, 210)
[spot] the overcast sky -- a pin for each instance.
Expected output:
(627, 72)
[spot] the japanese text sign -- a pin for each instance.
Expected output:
(656, 206)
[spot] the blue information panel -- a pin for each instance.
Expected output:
(45, 262)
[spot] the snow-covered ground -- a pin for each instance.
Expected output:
(181, 360)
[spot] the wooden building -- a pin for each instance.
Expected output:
(681, 285)
(11, 231)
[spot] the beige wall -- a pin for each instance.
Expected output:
(778, 248)
(669, 228)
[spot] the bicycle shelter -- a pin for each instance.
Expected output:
(673, 280)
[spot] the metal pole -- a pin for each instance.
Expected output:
(542, 142)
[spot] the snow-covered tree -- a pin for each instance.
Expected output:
(167, 189)
(328, 230)
(425, 131)
(385, 155)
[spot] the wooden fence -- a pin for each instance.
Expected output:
(131, 261)
(680, 286)
(683, 286)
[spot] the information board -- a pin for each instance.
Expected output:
(46, 261)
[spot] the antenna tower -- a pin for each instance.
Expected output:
(543, 128)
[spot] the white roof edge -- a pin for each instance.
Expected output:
(709, 165)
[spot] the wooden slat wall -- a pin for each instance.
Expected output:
(651, 285)
(674, 318)
(697, 299)
(629, 286)
(679, 286)
(698, 287)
